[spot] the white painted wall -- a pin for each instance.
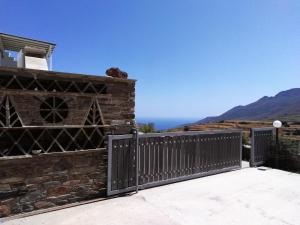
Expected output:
(36, 63)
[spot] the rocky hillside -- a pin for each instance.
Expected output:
(290, 130)
(285, 105)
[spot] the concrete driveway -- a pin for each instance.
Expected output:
(249, 196)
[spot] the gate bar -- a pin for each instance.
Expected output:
(252, 152)
(138, 186)
(137, 161)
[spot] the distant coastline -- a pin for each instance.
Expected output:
(167, 123)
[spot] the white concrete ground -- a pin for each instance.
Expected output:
(246, 197)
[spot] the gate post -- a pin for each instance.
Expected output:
(241, 149)
(252, 148)
(137, 158)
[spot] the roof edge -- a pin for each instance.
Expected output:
(29, 39)
(69, 74)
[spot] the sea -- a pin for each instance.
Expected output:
(167, 123)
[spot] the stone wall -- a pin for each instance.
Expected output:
(68, 168)
(38, 182)
(117, 100)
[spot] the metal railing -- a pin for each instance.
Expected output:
(261, 144)
(148, 160)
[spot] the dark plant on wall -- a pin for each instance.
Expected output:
(286, 156)
(289, 145)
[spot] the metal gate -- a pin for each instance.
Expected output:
(169, 157)
(261, 142)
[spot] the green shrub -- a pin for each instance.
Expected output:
(296, 132)
(289, 145)
(147, 128)
(245, 139)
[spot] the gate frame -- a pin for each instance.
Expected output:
(252, 162)
(173, 180)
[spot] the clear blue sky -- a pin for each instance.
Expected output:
(192, 58)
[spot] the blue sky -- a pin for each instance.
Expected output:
(191, 58)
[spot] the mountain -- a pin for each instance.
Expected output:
(285, 104)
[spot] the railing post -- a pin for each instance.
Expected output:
(137, 158)
(276, 147)
(252, 133)
(241, 149)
